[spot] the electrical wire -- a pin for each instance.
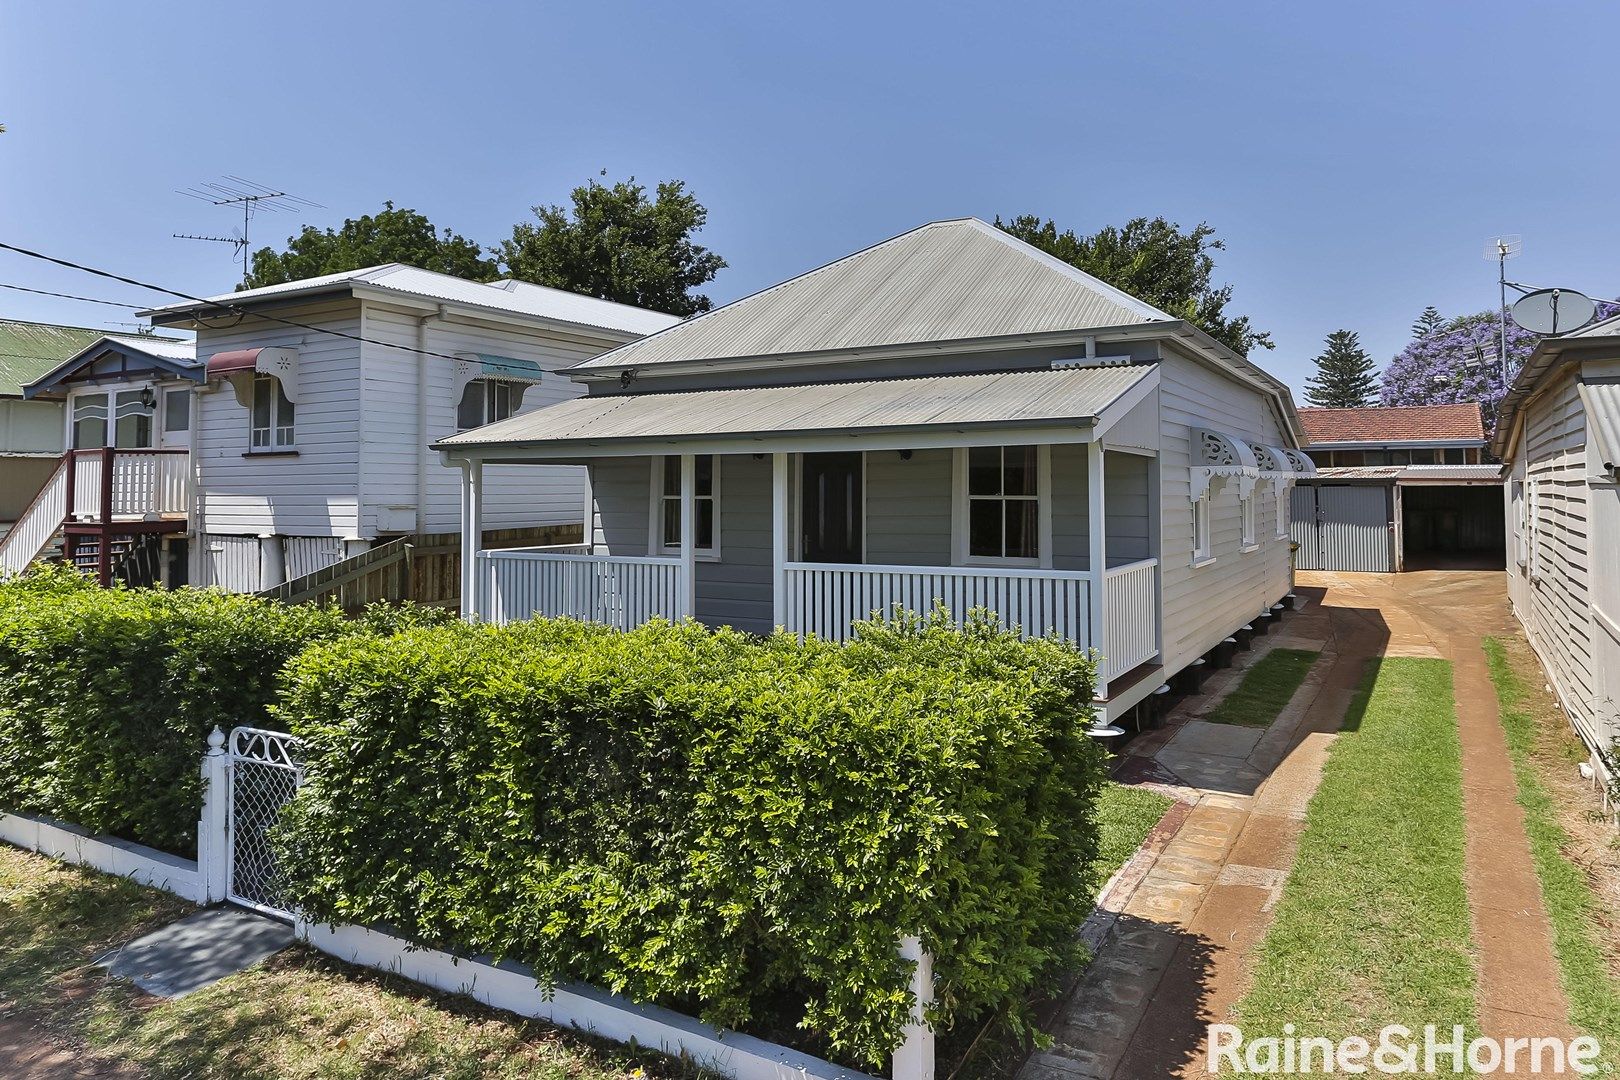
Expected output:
(70, 296)
(231, 309)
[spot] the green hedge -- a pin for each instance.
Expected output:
(107, 696)
(727, 825)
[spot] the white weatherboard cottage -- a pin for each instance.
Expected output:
(951, 416)
(320, 398)
(1558, 435)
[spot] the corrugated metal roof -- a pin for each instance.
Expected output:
(1070, 395)
(30, 349)
(1406, 474)
(517, 297)
(945, 281)
(1602, 402)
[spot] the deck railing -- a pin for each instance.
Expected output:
(615, 590)
(100, 486)
(1130, 617)
(140, 483)
(826, 598)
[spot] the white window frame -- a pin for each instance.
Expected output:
(1521, 517)
(1246, 512)
(1203, 531)
(1285, 509)
(282, 434)
(962, 503)
(488, 390)
(109, 394)
(655, 531)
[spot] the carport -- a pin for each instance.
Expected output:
(1392, 518)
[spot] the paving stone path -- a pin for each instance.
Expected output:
(1186, 914)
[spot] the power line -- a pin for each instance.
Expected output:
(231, 309)
(70, 296)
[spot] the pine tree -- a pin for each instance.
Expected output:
(1345, 375)
(1428, 322)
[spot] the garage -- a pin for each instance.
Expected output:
(1394, 518)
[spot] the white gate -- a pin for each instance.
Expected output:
(264, 770)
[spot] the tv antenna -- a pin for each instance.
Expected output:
(1503, 248)
(1542, 311)
(253, 197)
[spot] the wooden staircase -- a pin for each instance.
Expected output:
(110, 507)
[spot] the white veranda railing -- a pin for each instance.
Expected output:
(1130, 617)
(622, 591)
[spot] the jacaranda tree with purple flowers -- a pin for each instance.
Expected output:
(1458, 362)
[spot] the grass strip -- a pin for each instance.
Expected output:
(1125, 816)
(1266, 689)
(1373, 924)
(298, 1016)
(1572, 907)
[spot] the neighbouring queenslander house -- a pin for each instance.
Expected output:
(948, 417)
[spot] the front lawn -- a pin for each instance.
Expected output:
(300, 1016)
(1540, 752)
(1266, 689)
(1373, 925)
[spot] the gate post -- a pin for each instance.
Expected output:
(213, 852)
(914, 1057)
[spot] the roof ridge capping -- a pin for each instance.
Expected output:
(929, 294)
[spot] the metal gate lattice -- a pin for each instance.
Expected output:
(266, 768)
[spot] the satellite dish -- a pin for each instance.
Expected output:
(1553, 311)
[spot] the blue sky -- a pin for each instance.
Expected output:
(1355, 157)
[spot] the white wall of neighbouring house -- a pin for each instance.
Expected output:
(515, 496)
(1563, 566)
(1204, 604)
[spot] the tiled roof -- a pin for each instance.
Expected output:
(1394, 424)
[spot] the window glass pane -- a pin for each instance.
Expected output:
(984, 470)
(1020, 476)
(132, 429)
(1021, 529)
(177, 410)
(89, 421)
(705, 523)
(470, 410)
(984, 527)
(672, 523)
(1454, 457)
(672, 475)
(284, 418)
(262, 401)
(704, 466)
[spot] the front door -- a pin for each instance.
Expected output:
(174, 404)
(831, 514)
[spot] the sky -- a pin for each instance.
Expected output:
(1355, 158)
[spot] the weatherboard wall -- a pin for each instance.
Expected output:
(1550, 567)
(1203, 604)
(315, 492)
(514, 495)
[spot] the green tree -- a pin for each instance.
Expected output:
(1346, 377)
(388, 236)
(1428, 322)
(618, 245)
(1155, 261)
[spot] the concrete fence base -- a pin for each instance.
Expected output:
(71, 844)
(512, 987)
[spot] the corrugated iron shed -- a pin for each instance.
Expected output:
(1070, 395)
(945, 281)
